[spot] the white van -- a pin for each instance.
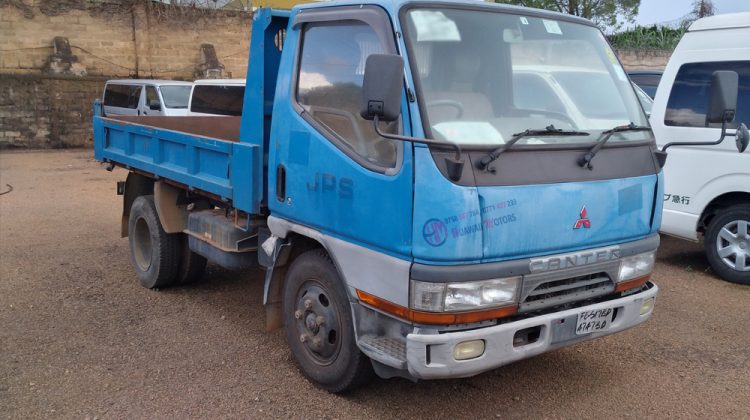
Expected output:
(146, 97)
(707, 189)
(216, 97)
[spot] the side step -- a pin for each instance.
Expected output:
(386, 350)
(215, 236)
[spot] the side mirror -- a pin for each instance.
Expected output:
(154, 105)
(382, 86)
(722, 105)
(742, 138)
(722, 102)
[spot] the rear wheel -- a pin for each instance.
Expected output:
(727, 244)
(319, 327)
(154, 254)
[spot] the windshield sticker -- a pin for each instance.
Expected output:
(524, 21)
(434, 26)
(469, 132)
(552, 27)
(437, 231)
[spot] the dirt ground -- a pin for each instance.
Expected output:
(80, 338)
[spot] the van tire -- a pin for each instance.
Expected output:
(326, 353)
(192, 265)
(734, 220)
(154, 254)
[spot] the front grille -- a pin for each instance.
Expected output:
(559, 292)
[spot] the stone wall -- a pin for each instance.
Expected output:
(56, 54)
(644, 59)
(47, 111)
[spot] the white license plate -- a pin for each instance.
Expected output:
(593, 321)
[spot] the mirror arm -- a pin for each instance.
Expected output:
(454, 166)
(724, 134)
(428, 142)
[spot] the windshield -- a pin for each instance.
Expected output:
(483, 76)
(175, 96)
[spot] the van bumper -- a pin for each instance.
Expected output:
(430, 356)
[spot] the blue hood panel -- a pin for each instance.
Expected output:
(469, 224)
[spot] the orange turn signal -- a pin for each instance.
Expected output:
(435, 318)
(632, 284)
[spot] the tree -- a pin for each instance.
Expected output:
(701, 9)
(605, 13)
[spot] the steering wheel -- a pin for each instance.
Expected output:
(449, 103)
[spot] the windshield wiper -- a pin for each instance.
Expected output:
(585, 160)
(550, 130)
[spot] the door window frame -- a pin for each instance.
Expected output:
(377, 19)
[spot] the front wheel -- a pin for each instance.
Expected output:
(319, 327)
(727, 244)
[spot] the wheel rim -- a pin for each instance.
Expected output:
(142, 246)
(733, 245)
(318, 323)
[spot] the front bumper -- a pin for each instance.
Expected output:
(431, 356)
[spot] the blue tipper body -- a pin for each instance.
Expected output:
(233, 171)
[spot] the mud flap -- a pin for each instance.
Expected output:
(273, 255)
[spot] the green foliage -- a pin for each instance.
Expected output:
(655, 37)
(605, 13)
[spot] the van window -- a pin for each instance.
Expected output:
(122, 96)
(218, 99)
(688, 101)
(176, 96)
(329, 87)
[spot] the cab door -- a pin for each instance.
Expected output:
(328, 169)
(151, 104)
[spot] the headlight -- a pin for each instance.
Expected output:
(636, 266)
(465, 296)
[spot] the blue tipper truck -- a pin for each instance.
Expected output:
(434, 189)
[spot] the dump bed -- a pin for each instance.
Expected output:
(199, 153)
(218, 156)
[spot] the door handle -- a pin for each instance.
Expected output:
(281, 183)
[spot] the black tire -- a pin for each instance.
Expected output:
(727, 244)
(328, 356)
(192, 265)
(154, 254)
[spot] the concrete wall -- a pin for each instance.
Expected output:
(46, 94)
(644, 59)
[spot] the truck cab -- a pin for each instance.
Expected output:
(418, 212)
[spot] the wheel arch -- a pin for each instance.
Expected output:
(136, 185)
(718, 203)
(299, 240)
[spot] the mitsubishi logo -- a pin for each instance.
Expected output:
(584, 221)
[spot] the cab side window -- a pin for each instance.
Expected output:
(688, 100)
(329, 87)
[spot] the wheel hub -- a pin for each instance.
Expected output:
(733, 245)
(317, 322)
